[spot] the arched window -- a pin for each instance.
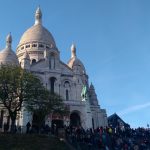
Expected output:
(22, 47)
(67, 89)
(67, 95)
(28, 46)
(34, 45)
(47, 47)
(93, 123)
(41, 45)
(66, 84)
(33, 61)
(52, 84)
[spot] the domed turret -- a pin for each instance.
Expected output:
(75, 63)
(36, 39)
(7, 56)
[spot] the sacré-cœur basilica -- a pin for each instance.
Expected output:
(38, 53)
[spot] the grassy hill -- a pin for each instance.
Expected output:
(31, 142)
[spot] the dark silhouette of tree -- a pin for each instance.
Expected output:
(46, 104)
(17, 86)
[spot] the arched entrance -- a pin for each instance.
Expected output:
(57, 123)
(75, 119)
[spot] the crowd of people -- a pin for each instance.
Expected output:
(109, 138)
(99, 139)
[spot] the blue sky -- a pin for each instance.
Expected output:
(112, 39)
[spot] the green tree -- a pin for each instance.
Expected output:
(17, 87)
(46, 104)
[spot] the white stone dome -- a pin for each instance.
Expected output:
(74, 61)
(37, 33)
(36, 40)
(7, 55)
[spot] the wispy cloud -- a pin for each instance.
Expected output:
(133, 108)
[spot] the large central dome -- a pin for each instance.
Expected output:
(36, 40)
(37, 33)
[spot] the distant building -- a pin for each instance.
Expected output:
(115, 121)
(38, 53)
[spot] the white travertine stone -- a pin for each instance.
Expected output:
(37, 52)
(36, 39)
(25, 62)
(7, 55)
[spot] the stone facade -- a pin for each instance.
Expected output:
(38, 53)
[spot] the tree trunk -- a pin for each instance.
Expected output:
(13, 120)
(13, 126)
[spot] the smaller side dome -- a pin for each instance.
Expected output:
(7, 55)
(74, 62)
